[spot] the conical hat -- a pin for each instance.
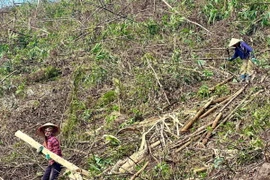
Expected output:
(234, 41)
(40, 130)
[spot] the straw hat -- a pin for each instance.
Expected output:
(234, 41)
(40, 130)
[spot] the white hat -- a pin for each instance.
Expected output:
(234, 41)
(40, 130)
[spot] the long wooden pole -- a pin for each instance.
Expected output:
(73, 168)
(196, 117)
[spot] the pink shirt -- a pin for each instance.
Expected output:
(52, 144)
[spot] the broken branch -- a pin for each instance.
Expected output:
(139, 172)
(185, 17)
(215, 123)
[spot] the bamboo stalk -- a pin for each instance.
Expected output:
(214, 108)
(199, 131)
(235, 109)
(218, 100)
(219, 84)
(185, 17)
(196, 117)
(187, 144)
(215, 123)
(233, 97)
(160, 85)
(139, 172)
(198, 170)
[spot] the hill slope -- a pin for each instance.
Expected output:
(138, 71)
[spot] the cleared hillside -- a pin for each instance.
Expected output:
(139, 71)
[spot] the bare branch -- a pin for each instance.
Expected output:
(197, 24)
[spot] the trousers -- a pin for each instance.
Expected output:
(52, 172)
(247, 68)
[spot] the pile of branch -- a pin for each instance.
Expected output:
(170, 134)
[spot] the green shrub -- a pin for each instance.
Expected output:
(107, 98)
(215, 10)
(52, 72)
(203, 92)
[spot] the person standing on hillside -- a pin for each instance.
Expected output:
(49, 131)
(245, 52)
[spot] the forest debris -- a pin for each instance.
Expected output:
(72, 176)
(123, 130)
(139, 172)
(134, 159)
(94, 132)
(188, 137)
(221, 99)
(129, 163)
(236, 108)
(148, 122)
(157, 78)
(198, 170)
(233, 97)
(10, 74)
(220, 84)
(187, 144)
(214, 108)
(263, 78)
(185, 17)
(221, 71)
(116, 167)
(195, 118)
(215, 122)
(176, 123)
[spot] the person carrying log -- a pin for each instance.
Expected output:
(49, 131)
(245, 52)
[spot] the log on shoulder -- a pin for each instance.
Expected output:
(73, 168)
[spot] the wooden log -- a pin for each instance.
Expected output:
(214, 108)
(221, 99)
(198, 170)
(139, 172)
(187, 144)
(233, 97)
(196, 117)
(214, 125)
(235, 109)
(73, 168)
(220, 84)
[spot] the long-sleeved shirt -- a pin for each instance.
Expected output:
(52, 144)
(243, 51)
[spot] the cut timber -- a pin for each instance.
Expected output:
(219, 100)
(73, 168)
(220, 84)
(214, 125)
(214, 108)
(236, 108)
(128, 165)
(192, 120)
(138, 173)
(233, 97)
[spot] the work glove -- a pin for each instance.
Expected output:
(254, 60)
(39, 150)
(47, 156)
